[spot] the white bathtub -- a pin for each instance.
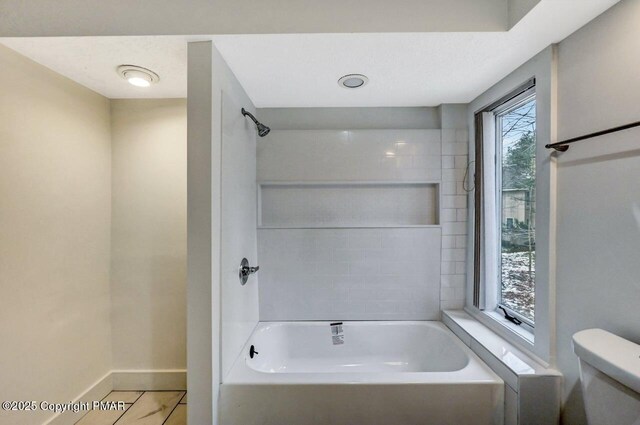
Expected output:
(391, 373)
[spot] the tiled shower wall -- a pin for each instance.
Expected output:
(394, 275)
(454, 217)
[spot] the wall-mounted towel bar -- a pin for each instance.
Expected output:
(564, 145)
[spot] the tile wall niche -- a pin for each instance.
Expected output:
(324, 257)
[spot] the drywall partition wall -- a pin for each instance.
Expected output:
(149, 225)
(55, 178)
(543, 68)
(203, 238)
(221, 227)
(598, 232)
(119, 17)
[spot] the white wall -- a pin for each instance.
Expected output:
(221, 227)
(149, 226)
(55, 214)
(311, 274)
(598, 233)
(151, 17)
(238, 226)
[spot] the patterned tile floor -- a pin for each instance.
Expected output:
(143, 408)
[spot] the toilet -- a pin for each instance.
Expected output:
(610, 377)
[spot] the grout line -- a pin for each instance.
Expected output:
(174, 409)
(151, 391)
(129, 407)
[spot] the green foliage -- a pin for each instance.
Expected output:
(519, 165)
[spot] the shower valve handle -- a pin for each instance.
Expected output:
(246, 270)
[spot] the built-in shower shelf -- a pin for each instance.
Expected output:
(301, 205)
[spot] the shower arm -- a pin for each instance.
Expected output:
(250, 115)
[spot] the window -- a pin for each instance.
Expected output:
(516, 185)
(505, 199)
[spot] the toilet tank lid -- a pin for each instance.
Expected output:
(612, 355)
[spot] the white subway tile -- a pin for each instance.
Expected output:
(449, 175)
(453, 280)
(448, 242)
(457, 228)
(447, 293)
(356, 273)
(460, 161)
(448, 161)
(456, 148)
(448, 135)
(427, 161)
(454, 304)
(449, 188)
(447, 214)
(462, 135)
(454, 201)
(448, 267)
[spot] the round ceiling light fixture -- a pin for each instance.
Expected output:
(353, 81)
(137, 75)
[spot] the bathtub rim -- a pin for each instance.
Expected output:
(476, 371)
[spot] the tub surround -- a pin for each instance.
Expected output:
(331, 262)
(349, 274)
(532, 390)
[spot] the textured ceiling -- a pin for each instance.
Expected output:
(301, 70)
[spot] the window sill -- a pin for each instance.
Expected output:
(514, 334)
(516, 358)
(520, 330)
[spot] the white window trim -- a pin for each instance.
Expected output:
(494, 304)
(543, 67)
(490, 296)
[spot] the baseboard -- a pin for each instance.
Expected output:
(121, 380)
(97, 391)
(150, 380)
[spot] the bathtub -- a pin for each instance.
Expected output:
(373, 373)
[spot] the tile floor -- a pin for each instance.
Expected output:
(143, 408)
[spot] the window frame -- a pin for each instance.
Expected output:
(484, 298)
(498, 112)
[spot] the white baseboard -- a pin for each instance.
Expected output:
(97, 391)
(121, 380)
(150, 380)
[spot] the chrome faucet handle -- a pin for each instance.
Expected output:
(246, 270)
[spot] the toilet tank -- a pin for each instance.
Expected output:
(610, 377)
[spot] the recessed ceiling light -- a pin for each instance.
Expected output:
(137, 75)
(353, 81)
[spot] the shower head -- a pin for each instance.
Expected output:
(263, 130)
